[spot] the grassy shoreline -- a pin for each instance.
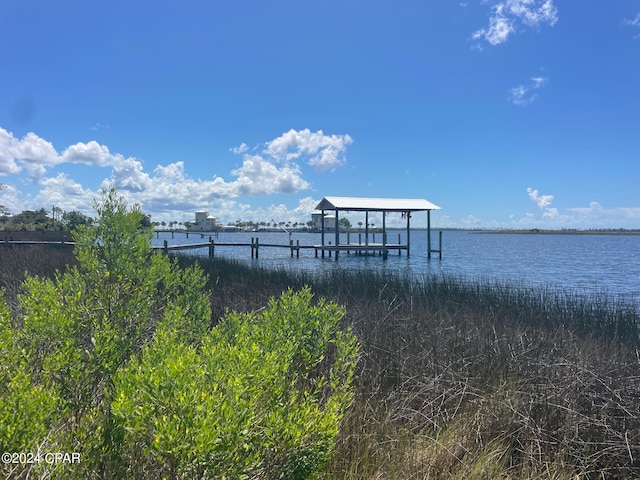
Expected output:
(457, 379)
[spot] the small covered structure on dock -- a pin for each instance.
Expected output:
(405, 206)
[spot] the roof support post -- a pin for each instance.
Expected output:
(322, 232)
(337, 229)
(408, 233)
(429, 234)
(366, 228)
(384, 228)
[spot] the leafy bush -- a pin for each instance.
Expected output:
(261, 398)
(115, 359)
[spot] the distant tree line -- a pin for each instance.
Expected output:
(42, 219)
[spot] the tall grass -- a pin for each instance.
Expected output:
(464, 379)
(42, 260)
(473, 379)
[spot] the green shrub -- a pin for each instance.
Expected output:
(262, 397)
(115, 359)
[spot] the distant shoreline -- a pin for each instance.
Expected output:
(536, 231)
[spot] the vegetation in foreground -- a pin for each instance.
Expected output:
(115, 362)
(468, 380)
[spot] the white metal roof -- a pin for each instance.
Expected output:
(376, 204)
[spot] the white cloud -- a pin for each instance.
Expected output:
(65, 193)
(35, 155)
(258, 176)
(543, 201)
(129, 175)
(538, 82)
(167, 189)
(526, 94)
(30, 153)
(91, 153)
(242, 148)
(596, 216)
(508, 15)
(500, 27)
(633, 22)
(325, 152)
(593, 216)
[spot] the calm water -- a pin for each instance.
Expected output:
(582, 263)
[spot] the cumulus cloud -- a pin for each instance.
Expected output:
(543, 201)
(35, 155)
(65, 193)
(508, 16)
(526, 94)
(30, 153)
(276, 169)
(324, 152)
(91, 153)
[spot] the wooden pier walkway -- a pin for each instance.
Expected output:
(367, 248)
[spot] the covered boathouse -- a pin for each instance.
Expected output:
(405, 206)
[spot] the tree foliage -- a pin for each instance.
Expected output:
(116, 359)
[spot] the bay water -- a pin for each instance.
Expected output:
(583, 263)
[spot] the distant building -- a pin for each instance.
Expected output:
(204, 222)
(329, 221)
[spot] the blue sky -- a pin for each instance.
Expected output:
(506, 113)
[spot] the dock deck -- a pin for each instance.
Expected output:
(361, 249)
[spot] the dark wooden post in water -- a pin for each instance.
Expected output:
(211, 249)
(166, 247)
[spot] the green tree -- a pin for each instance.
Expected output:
(33, 220)
(73, 219)
(3, 210)
(81, 327)
(344, 223)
